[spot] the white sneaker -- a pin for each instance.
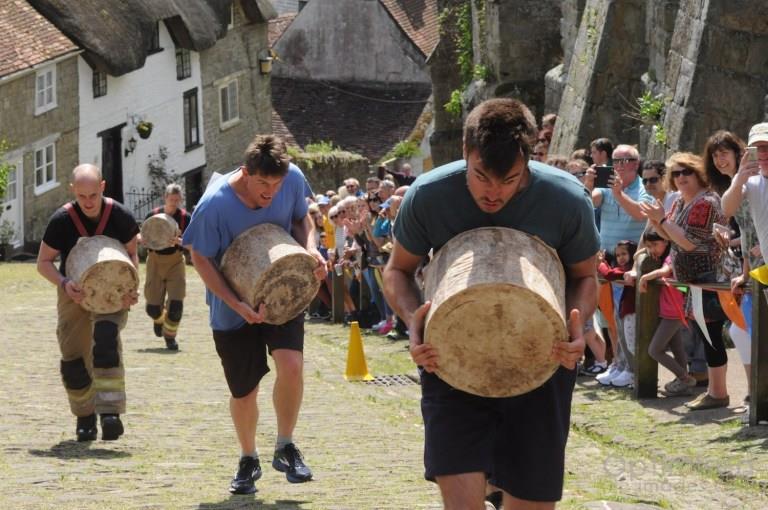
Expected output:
(606, 377)
(378, 325)
(623, 380)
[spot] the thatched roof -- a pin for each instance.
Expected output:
(116, 34)
(28, 38)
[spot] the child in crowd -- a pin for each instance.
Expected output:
(620, 372)
(667, 333)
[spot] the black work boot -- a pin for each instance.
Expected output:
(171, 344)
(86, 428)
(111, 427)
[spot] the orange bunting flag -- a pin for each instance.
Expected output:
(605, 304)
(732, 308)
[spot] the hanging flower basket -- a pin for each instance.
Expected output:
(144, 129)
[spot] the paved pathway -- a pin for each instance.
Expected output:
(362, 441)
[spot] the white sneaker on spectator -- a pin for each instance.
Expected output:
(623, 380)
(379, 325)
(606, 377)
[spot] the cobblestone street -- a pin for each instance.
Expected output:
(363, 441)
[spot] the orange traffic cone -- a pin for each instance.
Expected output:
(357, 368)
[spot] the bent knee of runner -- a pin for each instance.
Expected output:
(175, 310)
(105, 353)
(154, 311)
(75, 374)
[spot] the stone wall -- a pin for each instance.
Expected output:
(445, 140)
(522, 42)
(706, 59)
(717, 71)
(18, 102)
(603, 76)
(328, 171)
(235, 55)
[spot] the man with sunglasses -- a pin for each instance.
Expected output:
(620, 218)
(620, 213)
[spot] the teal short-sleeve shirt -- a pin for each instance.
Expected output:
(554, 206)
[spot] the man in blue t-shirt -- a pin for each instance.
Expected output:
(266, 189)
(518, 442)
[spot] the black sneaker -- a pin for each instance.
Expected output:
(495, 498)
(111, 427)
(86, 428)
(171, 344)
(288, 460)
(248, 472)
(158, 329)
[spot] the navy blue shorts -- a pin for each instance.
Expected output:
(243, 351)
(519, 442)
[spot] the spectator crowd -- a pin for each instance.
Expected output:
(694, 219)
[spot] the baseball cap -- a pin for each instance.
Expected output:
(385, 204)
(323, 200)
(758, 133)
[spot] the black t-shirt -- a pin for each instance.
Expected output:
(61, 233)
(178, 215)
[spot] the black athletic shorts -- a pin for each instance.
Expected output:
(519, 442)
(243, 351)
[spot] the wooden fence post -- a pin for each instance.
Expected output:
(758, 407)
(647, 319)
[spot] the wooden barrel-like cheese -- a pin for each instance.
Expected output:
(498, 307)
(100, 265)
(158, 231)
(266, 265)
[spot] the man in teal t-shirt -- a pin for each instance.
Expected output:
(517, 442)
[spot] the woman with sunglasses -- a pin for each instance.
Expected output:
(695, 257)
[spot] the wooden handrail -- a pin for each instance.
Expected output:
(647, 317)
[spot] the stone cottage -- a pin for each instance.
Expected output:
(145, 92)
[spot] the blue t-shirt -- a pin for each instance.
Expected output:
(554, 206)
(616, 224)
(221, 216)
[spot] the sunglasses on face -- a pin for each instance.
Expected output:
(652, 180)
(623, 161)
(685, 171)
(579, 175)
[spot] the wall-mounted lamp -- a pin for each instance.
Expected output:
(130, 146)
(265, 64)
(266, 57)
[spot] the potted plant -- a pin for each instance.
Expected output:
(7, 233)
(144, 129)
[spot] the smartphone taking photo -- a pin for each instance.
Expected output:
(602, 174)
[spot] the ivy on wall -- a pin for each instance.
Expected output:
(456, 23)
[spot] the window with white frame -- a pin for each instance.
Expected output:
(45, 167)
(231, 23)
(229, 112)
(45, 90)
